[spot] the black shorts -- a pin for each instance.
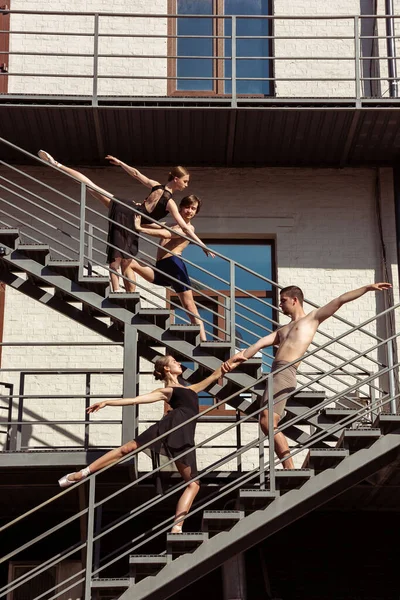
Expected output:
(175, 267)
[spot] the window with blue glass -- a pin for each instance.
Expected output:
(254, 296)
(203, 46)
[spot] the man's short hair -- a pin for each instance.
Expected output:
(293, 292)
(189, 201)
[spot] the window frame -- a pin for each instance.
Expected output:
(221, 295)
(5, 5)
(218, 49)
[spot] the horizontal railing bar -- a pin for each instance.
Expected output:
(45, 210)
(59, 208)
(45, 344)
(48, 236)
(185, 57)
(67, 371)
(275, 17)
(46, 185)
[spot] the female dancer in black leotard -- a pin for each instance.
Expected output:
(157, 205)
(184, 404)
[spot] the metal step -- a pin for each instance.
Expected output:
(320, 459)
(337, 414)
(215, 521)
(107, 582)
(9, 237)
(251, 499)
(221, 350)
(307, 398)
(130, 301)
(156, 316)
(189, 333)
(387, 423)
(37, 252)
(291, 479)
(67, 268)
(97, 285)
(355, 439)
(184, 543)
(145, 565)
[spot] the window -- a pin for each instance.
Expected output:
(203, 65)
(253, 294)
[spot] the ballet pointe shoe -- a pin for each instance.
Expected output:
(65, 482)
(48, 158)
(177, 528)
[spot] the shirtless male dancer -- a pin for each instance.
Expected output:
(293, 340)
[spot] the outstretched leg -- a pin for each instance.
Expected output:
(97, 191)
(280, 441)
(104, 461)
(186, 500)
(189, 304)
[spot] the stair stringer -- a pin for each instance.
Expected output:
(261, 524)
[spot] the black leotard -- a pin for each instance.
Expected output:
(126, 240)
(185, 404)
(160, 209)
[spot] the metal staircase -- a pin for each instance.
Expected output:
(342, 418)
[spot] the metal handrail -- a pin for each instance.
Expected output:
(233, 265)
(226, 400)
(95, 75)
(323, 434)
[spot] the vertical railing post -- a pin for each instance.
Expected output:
(392, 384)
(271, 433)
(232, 311)
(90, 536)
(95, 60)
(82, 217)
(90, 249)
(18, 437)
(238, 443)
(357, 60)
(261, 457)
(233, 60)
(130, 383)
(87, 404)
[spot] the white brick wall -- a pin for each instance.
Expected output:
(321, 60)
(324, 223)
(40, 40)
(324, 53)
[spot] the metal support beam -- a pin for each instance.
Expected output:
(130, 383)
(234, 578)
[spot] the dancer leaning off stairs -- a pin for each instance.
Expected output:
(185, 405)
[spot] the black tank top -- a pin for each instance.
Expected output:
(160, 210)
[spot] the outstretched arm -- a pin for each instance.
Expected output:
(268, 340)
(159, 395)
(226, 367)
(132, 172)
(329, 309)
(188, 231)
(158, 232)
